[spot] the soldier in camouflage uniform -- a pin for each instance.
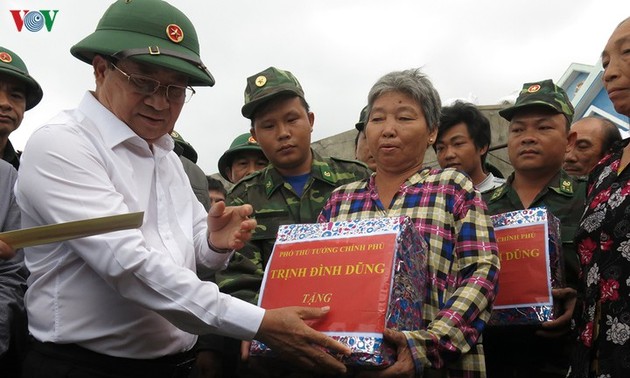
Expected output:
(538, 137)
(243, 158)
(293, 188)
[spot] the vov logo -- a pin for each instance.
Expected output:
(34, 21)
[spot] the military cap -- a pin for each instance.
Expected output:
(184, 148)
(544, 93)
(267, 84)
(12, 65)
(147, 31)
(362, 119)
(243, 142)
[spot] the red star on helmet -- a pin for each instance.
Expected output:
(174, 33)
(5, 57)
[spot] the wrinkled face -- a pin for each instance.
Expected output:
(149, 116)
(538, 140)
(245, 163)
(587, 150)
(616, 63)
(362, 152)
(283, 131)
(215, 196)
(397, 133)
(12, 104)
(456, 149)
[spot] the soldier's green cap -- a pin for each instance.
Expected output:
(544, 93)
(12, 65)
(362, 119)
(184, 148)
(242, 143)
(267, 84)
(147, 31)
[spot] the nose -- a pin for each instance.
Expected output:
(251, 168)
(389, 127)
(611, 72)
(448, 153)
(5, 104)
(158, 100)
(283, 131)
(529, 136)
(570, 156)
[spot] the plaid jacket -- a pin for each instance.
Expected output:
(463, 261)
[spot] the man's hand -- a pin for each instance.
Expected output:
(284, 331)
(6, 252)
(561, 325)
(230, 227)
(404, 365)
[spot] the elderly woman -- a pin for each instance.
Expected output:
(603, 239)
(463, 264)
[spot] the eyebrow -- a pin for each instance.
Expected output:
(402, 108)
(623, 39)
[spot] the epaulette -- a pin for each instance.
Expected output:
(566, 186)
(326, 172)
(498, 192)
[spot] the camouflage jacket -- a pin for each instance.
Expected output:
(564, 197)
(276, 203)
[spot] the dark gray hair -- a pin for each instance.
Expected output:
(610, 132)
(415, 84)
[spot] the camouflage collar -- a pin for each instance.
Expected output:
(561, 183)
(320, 170)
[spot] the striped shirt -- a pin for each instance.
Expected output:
(463, 261)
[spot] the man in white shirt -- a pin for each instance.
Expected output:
(129, 303)
(462, 143)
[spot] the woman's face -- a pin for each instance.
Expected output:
(397, 133)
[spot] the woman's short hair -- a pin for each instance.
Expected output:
(415, 84)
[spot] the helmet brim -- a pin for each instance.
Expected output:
(34, 92)
(108, 42)
(228, 157)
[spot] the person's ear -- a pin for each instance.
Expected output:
(571, 139)
(311, 119)
(484, 149)
(432, 137)
(100, 65)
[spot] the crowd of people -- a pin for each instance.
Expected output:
(177, 296)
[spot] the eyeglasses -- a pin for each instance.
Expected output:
(147, 86)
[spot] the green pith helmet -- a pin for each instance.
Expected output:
(242, 143)
(184, 148)
(544, 93)
(147, 31)
(268, 84)
(362, 119)
(12, 65)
